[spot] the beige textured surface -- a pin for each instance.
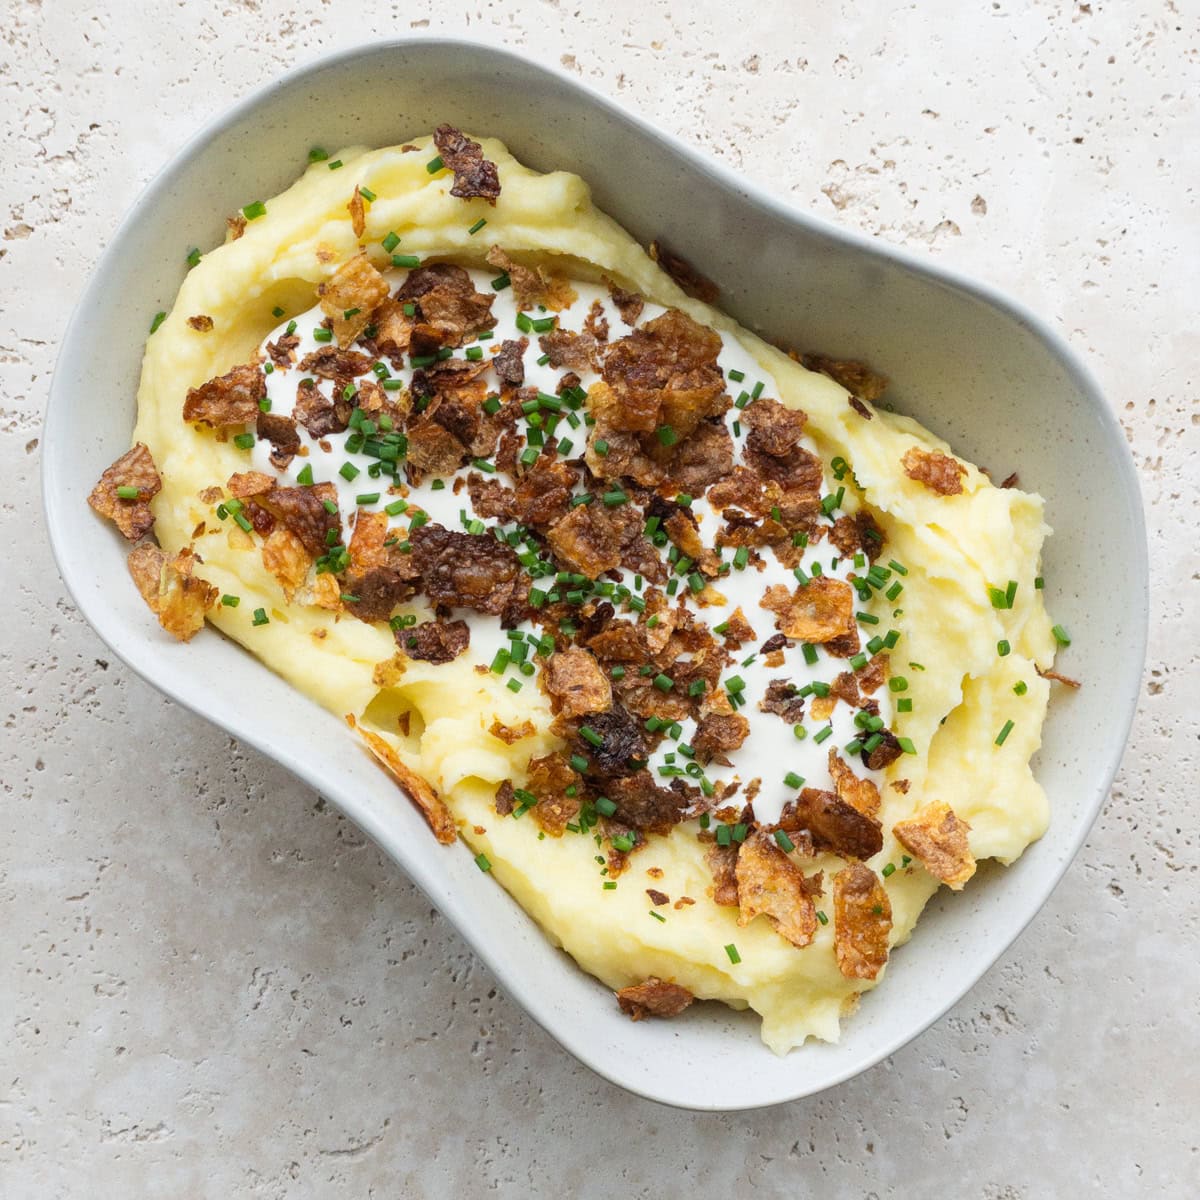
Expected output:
(211, 985)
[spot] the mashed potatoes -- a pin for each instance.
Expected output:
(789, 905)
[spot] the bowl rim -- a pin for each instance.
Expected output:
(1077, 374)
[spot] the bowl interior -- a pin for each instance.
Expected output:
(976, 369)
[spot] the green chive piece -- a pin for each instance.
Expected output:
(898, 683)
(231, 601)
(305, 475)
(244, 441)
(904, 704)
(317, 154)
(1060, 635)
(349, 472)
(193, 256)
(477, 226)
(890, 869)
(579, 763)
(129, 493)
(482, 862)
(260, 617)
(734, 956)
(390, 242)
(1002, 736)
(793, 780)
(406, 260)
(333, 166)
(434, 165)
(253, 211)
(784, 842)
(159, 318)
(1003, 648)
(822, 734)
(366, 193)
(906, 744)
(822, 918)
(1020, 687)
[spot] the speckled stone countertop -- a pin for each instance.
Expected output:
(212, 985)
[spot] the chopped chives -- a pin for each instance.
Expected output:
(898, 683)
(610, 885)
(129, 493)
(658, 916)
(1020, 687)
(366, 193)
(799, 732)
(1060, 635)
(349, 472)
(482, 862)
(579, 763)
(244, 441)
(904, 704)
(337, 162)
(260, 617)
(822, 918)
(590, 735)
(501, 282)
(906, 744)
(666, 435)
(514, 685)
(322, 334)
(822, 734)
(193, 256)
(434, 165)
(253, 211)
(890, 869)
(477, 226)
(734, 956)
(793, 780)
(1003, 648)
(1039, 583)
(784, 842)
(159, 318)
(367, 498)
(866, 618)
(1010, 593)
(390, 242)
(1002, 736)
(231, 601)
(406, 260)
(317, 154)
(601, 447)
(664, 683)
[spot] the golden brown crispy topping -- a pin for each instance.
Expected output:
(434, 641)
(282, 351)
(875, 674)
(349, 297)
(663, 374)
(131, 514)
(235, 226)
(474, 175)
(690, 281)
(833, 824)
(939, 839)
(622, 745)
(201, 323)
(249, 483)
(718, 734)
(643, 805)
(596, 323)
(820, 611)
(862, 921)
(781, 698)
(654, 998)
(572, 351)
(937, 471)
(509, 362)
(628, 304)
(447, 305)
(533, 285)
(593, 538)
(773, 447)
(859, 793)
(284, 555)
(281, 432)
(576, 683)
(440, 819)
(461, 570)
(303, 511)
(857, 532)
(770, 884)
(722, 862)
(230, 399)
(177, 597)
(886, 752)
(357, 209)
(1065, 679)
(549, 778)
(856, 377)
(509, 734)
(658, 898)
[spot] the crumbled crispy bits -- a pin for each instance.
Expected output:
(474, 175)
(690, 281)
(856, 377)
(355, 288)
(177, 597)
(862, 921)
(833, 824)
(548, 780)
(438, 641)
(533, 285)
(939, 839)
(440, 819)
(135, 468)
(201, 323)
(769, 883)
(819, 611)
(229, 399)
(861, 794)
(939, 472)
(357, 209)
(285, 556)
(654, 998)
(250, 483)
(577, 684)
(509, 734)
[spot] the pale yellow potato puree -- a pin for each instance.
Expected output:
(954, 547)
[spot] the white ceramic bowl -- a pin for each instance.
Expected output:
(990, 377)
